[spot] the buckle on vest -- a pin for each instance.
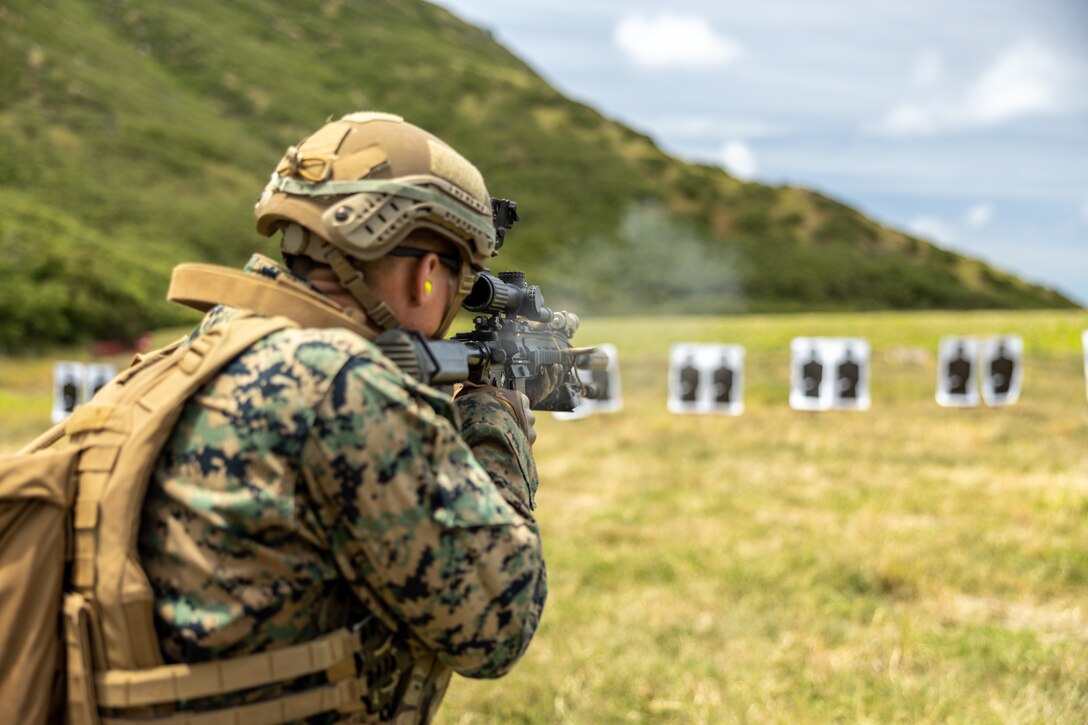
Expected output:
(350, 694)
(198, 348)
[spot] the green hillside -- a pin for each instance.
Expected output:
(137, 134)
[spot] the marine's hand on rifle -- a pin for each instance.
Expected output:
(542, 386)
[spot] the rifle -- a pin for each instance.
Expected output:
(515, 340)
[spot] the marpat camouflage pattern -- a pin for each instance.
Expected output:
(311, 485)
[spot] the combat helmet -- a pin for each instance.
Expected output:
(357, 188)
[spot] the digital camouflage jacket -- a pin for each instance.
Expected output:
(311, 485)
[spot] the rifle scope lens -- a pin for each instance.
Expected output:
(489, 294)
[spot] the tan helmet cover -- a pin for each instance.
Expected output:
(363, 183)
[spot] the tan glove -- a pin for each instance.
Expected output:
(539, 388)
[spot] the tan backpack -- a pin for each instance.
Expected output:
(76, 620)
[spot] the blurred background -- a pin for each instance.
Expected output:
(749, 157)
(964, 123)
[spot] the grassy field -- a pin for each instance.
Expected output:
(908, 564)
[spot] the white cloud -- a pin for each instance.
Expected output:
(739, 160)
(932, 228)
(668, 40)
(909, 119)
(1025, 79)
(979, 215)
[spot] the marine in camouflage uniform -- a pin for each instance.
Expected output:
(312, 485)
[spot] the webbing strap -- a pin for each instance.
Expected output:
(202, 286)
(81, 708)
(464, 288)
(394, 188)
(94, 466)
(345, 696)
(171, 683)
(45, 440)
(351, 279)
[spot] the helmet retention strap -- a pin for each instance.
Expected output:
(464, 287)
(351, 279)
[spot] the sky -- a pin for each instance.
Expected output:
(964, 122)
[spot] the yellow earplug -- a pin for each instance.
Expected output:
(427, 287)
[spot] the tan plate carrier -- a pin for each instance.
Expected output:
(82, 503)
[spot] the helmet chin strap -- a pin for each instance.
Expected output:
(299, 240)
(351, 279)
(466, 281)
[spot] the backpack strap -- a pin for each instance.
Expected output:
(202, 286)
(45, 440)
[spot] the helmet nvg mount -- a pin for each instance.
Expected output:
(357, 188)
